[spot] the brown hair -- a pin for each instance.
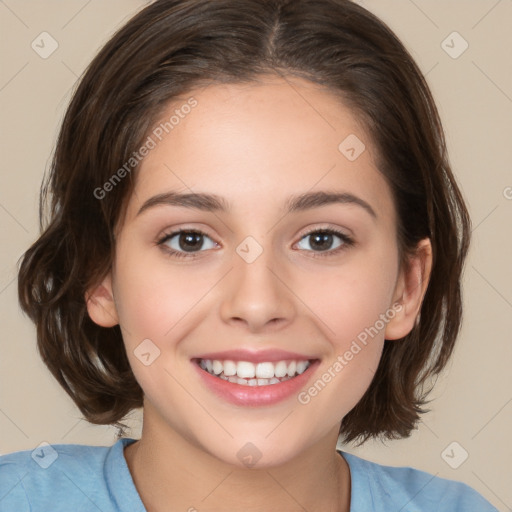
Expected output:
(164, 51)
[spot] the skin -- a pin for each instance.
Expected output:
(255, 145)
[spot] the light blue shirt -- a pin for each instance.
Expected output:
(78, 478)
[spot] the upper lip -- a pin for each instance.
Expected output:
(255, 356)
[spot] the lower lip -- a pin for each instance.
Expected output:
(270, 394)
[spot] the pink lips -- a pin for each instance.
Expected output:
(255, 395)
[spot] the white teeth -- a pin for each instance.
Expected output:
(229, 368)
(301, 366)
(245, 370)
(249, 374)
(264, 370)
(254, 382)
(217, 367)
(281, 369)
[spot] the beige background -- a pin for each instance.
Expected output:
(473, 399)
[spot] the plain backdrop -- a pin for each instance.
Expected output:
(471, 408)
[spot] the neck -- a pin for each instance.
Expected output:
(171, 473)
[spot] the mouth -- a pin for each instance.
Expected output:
(253, 379)
(245, 373)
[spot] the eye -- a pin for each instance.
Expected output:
(179, 243)
(324, 241)
(187, 243)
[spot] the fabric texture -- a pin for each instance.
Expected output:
(79, 478)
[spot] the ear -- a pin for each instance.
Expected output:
(410, 290)
(100, 303)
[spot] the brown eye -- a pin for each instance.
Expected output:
(325, 240)
(190, 241)
(183, 241)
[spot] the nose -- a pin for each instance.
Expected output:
(257, 296)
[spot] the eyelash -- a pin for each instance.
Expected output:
(347, 242)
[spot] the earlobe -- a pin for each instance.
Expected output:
(101, 305)
(410, 290)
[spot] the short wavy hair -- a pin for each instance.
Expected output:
(173, 46)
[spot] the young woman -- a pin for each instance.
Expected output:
(255, 235)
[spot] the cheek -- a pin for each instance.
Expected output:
(142, 294)
(355, 336)
(153, 296)
(354, 306)
(353, 298)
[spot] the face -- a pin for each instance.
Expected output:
(273, 277)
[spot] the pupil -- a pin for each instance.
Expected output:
(318, 241)
(191, 241)
(194, 241)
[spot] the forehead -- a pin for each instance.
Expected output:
(258, 143)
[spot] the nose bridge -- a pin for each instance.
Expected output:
(256, 294)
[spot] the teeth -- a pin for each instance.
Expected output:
(264, 370)
(281, 369)
(229, 368)
(301, 366)
(249, 374)
(217, 367)
(254, 382)
(245, 370)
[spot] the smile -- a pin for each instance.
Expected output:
(255, 378)
(246, 373)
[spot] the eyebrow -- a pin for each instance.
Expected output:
(215, 203)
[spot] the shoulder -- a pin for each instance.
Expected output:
(405, 488)
(54, 476)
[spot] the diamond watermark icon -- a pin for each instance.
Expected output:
(249, 249)
(249, 455)
(146, 352)
(45, 455)
(44, 45)
(454, 455)
(352, 147)
(454, 45)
